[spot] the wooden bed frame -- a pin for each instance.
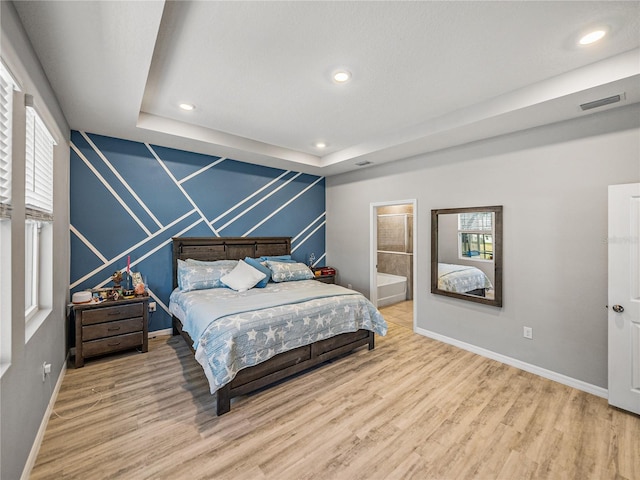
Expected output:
(284, 364)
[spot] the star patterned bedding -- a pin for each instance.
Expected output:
(234, 330)
(461, 278)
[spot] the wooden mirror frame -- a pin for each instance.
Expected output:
(497, 255)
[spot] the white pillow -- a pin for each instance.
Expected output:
(243, 277)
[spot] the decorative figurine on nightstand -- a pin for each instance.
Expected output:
(127, 291)
(312, 258)
(139, 285)
(116, 278)
(139, 289)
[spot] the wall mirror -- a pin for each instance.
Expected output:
(466, 254)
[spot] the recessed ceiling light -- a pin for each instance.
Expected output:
(341, 76)
(320, 145)
(592, 37)
(187, 106)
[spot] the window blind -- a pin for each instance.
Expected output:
(6, 113)
(38, 169)
(476, 221)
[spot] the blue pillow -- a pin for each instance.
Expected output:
(255, 263)
(279, 258)
(288, 271)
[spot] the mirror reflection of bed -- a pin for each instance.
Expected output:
(466, 254)
(465, 279)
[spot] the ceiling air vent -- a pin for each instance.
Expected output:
(363, 163)
(602, 102)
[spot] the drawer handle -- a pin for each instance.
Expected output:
(112, 314)
(113, 329)
(114, 344)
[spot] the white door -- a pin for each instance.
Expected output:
(624, 296)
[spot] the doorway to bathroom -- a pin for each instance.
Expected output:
(393, 240)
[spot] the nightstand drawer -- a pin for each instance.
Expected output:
(326, 278)
(110, 329)
(108, 314)
(111, 344)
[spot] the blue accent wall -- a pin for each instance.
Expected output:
(130, 199)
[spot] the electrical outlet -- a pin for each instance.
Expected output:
(527, 333)
(46, 369)
(152, 306)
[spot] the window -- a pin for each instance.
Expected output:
(475, 236)
(7, 86)
(38, 211)
(31, 262)
(39, 167)
(6, 114)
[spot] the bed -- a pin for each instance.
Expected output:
(246, 340)
(463, 279)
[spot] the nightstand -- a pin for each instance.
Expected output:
(110, 326)
(326, 278)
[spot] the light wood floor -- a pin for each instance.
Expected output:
(399, 313)
(411, 408)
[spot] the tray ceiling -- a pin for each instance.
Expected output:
(425, 75)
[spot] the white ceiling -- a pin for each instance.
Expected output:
(425, 75)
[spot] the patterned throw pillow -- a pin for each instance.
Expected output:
(289, 272)
(201, 276)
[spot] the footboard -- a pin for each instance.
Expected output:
(284, 364)
(289, 363)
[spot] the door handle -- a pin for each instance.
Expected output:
(618, 308)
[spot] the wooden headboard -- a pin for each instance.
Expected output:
(226, 248)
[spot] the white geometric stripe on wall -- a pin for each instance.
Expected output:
(128, 199)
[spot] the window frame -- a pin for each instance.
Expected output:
(32, 263)
(8, 87)
(39, 158)
(478, 230)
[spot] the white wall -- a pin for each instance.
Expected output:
(24, 397)
(552, 182)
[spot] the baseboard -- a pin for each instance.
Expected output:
(527, 367)
(160, 333)
(35, 448)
